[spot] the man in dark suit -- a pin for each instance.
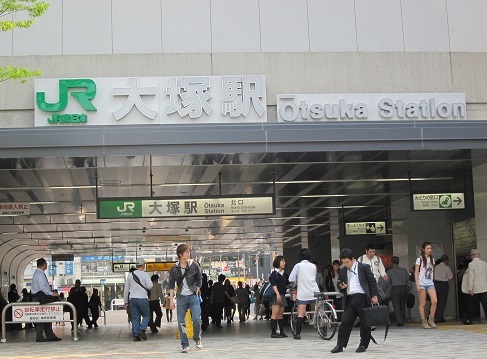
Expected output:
(358, 283)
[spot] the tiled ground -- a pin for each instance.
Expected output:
(248, 340)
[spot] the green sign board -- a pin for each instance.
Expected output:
(112, 208)
(119, 209)
(435, 201)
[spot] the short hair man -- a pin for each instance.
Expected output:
(374, 262)
(355, 280)
(41, 288)
(186, 273)
(135, 295)
(399, 278)
(442, 275)
(477, 285)
(154, 304)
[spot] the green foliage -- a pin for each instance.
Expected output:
(17, 73)
(29, 10)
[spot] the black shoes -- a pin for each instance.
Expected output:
(137, 338)
(284, 335)
(467, 322)
(276, 335)
(297, 336)
(360, 349)
(142, 335)
(41, 340)
(54, 339)
(399, 324)
(154, 330)
(442, 320)
(337, 349)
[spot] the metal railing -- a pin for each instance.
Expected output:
(26, 304)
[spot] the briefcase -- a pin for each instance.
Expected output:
(377, 315)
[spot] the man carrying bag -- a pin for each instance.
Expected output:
(358, 283)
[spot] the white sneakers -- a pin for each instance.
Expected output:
(199, 345)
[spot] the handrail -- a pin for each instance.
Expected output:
(25, 304)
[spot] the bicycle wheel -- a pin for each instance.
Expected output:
(292, 318)
(326, 320)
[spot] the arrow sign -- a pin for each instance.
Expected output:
(434, 201)
(360, 228)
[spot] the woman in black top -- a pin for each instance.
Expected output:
(279, 281)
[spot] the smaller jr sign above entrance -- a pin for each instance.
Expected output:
(184, 207)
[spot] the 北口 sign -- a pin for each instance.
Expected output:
(358, 228)
(373, 107)
(14, 209)
(158, 266)
(150, 100)
(434, 201)
(111, 208)
(37, 313)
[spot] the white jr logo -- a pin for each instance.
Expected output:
(127, 206)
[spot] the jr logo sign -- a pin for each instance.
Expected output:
(83, 97)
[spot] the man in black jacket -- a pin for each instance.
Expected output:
(357, 282)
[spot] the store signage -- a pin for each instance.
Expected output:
(434, 201)
(158, 266)
(37, 313)
(150, 100)
(112, 208)
(371, 107)
(359, 228)
(14, 209)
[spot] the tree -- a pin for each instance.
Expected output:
(29, 9)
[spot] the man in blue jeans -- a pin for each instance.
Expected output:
(135, 296)
(186, 274)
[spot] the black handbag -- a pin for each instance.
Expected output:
(377, 315)
(410, 301)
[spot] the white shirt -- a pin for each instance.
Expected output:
(133, 289)
(376, 266)
(304, 273)
(354, 286)
(40, 282)
(425, 274)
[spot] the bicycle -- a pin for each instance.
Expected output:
(323, 317)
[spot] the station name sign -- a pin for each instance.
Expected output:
(150, 100)
(435, 201)
(360, 228)
(372, 107)
(112, 208)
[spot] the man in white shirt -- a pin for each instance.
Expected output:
(442, 275)
(135, 295)
(40, 290)
(374, 262)
(477, 285)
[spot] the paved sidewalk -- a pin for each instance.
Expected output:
(246, 341)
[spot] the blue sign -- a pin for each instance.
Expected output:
(52, 269)
(102, 258)
(68, 267)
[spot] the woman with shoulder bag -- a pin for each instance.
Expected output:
(423, 274)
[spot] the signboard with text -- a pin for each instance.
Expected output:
(150, 100)
(112, 208)
(36, 313)
(435, 201)
(359, 228)
(14, 209)
(370, 107)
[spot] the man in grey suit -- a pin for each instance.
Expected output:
(356, 280)
(477, 285)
